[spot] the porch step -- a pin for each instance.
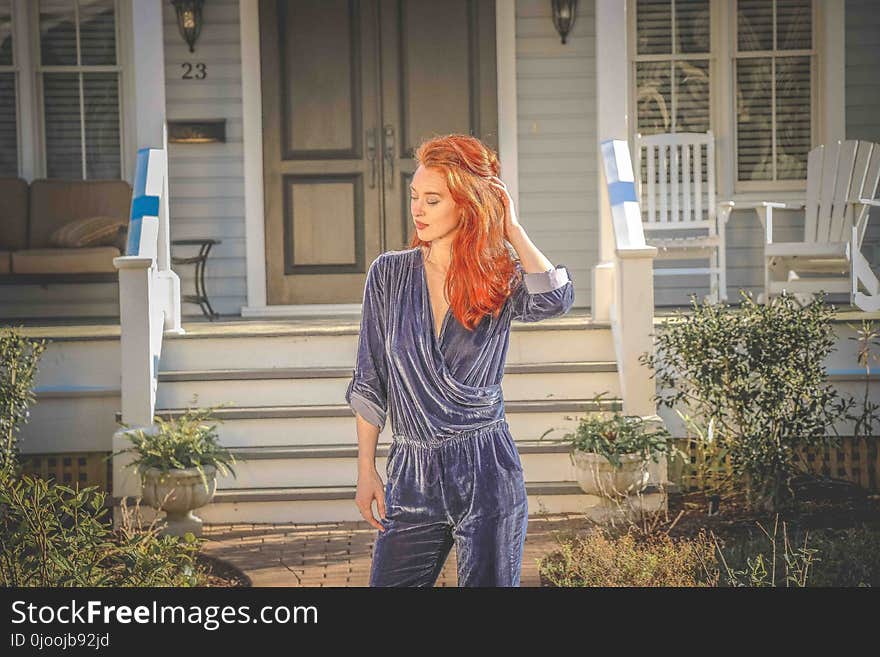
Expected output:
(335, 345)
(336, 503)
(334, 424)
(342, 410)
(320, 385)
(332, 465)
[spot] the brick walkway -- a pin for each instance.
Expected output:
(339, 554)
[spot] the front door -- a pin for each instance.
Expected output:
(350, 89)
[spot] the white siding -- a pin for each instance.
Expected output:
(207, 180)
(556, 88)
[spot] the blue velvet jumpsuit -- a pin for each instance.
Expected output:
(453, 472)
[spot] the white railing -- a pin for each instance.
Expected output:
(630, 277)
(149, 292)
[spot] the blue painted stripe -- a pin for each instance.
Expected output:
(621, 192)
(144, 206)
(134, 237)
(140, 176)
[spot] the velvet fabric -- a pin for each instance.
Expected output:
(453, 473)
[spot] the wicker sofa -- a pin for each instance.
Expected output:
(31, 213)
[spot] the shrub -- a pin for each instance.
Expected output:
(601, 559)
(18, 366)
(51, 535)
(758, 375)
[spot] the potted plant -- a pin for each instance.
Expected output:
(611, 454)
(178, 461)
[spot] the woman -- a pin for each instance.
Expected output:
(433, 341)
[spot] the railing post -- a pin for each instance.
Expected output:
(632, 308)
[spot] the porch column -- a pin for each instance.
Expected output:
(148, 73)
(612, 91)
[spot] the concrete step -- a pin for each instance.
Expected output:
(327, 385)
(336, 465)
(336, 503)
(335, 424)
(336, 346)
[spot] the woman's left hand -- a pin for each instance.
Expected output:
(511, 224)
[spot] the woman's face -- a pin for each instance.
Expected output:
(434, 212)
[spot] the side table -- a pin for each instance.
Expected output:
(201, 295)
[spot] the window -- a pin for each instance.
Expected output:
(673, 48)
(8, 95)
(774, 64)
(79, 86)
(745, 69)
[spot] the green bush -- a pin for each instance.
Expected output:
(52, 535)
(18, 367)
(758, 375)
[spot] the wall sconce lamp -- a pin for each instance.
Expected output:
(189, 20)
(563, 16)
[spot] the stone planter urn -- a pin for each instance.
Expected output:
(597, 476)
(187, 492)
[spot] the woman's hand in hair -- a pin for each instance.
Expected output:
(511, 223)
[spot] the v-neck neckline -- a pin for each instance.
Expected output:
(427, 296)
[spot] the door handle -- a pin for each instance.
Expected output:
(371, 155)
(389, 153)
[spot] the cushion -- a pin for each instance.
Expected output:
(13, 213)
(89, 231)
(65, 261)
(55, 202)
(5, 262)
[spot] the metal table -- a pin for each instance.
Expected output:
(201, 295)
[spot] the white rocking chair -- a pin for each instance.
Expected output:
(677, 192)
(842, 181)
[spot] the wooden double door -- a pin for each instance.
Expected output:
(350, 88)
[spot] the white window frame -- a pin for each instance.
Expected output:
(828, 103)
(813, 54)
(28, 69)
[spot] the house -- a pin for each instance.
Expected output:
(323, 103)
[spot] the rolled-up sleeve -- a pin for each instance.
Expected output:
(367, 392)
(542, 295)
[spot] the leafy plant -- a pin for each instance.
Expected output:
(759, 375)
(866, 336)
(18, 366)
(615, 435)
(188, 441)
(54, 536)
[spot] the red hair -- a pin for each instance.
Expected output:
(479, 276)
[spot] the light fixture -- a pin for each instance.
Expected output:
(189, 20)
(563, 16)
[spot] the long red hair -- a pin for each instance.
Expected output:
(482, 267)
